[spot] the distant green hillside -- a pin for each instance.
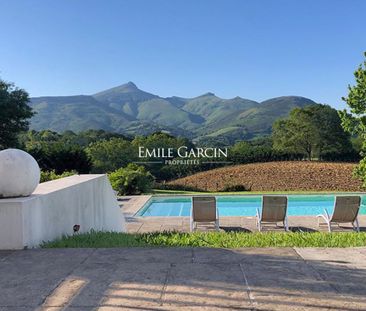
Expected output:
(76, 113)
(129, 110)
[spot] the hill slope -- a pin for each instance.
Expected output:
(277, 176)
(127, 109)
(76, 113)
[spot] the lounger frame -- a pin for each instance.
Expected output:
(207, 203)
(341, 208)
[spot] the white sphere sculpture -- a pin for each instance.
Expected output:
(19, 173)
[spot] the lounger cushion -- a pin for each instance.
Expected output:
(204, 209)
(274, 208)
(346, 208)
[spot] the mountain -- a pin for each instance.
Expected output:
(76, 113)
(124, 95)
(254, 121)
(147, 107)
(129, 110)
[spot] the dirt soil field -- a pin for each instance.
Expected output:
(277, 176)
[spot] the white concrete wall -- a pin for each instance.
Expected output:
(55, 207)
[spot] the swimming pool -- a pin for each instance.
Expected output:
(298, 205)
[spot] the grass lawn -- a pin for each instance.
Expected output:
(182, 192)
(211, 239)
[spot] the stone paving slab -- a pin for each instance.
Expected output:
(4, 254)
(345, 271)
(33, 274)
(183, 279)
(136, 288)
(131, 204)
(141, 255)
(244, 224)
(218, 286)
(278, 283)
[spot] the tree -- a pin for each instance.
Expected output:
(332, 137)
(85, 138)
(163, 141)
(295, 134)
(60, 157)
(313, 130)
(355, 121)
(14, 114)
(112, 154)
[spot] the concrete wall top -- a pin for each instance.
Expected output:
(59, 184)
(54, 185)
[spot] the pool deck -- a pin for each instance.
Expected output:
(131, 204)
(183, 279)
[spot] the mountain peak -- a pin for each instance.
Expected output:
(207, 94)
(120, 89)
(127, 87)
(130, 84)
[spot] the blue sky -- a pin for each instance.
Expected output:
(254, 49)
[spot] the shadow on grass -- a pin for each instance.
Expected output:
(234, 229)
(302, 229)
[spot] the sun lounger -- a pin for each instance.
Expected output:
(274, 210)
(204, 210)
(346, 210)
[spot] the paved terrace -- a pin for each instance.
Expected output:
(183, 279)
(130, 205)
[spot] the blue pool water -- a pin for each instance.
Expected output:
(298, 205)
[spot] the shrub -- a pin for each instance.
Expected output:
(350, 156)
(244, 152)
(234, 188)
(51, 175)
(132, 179)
